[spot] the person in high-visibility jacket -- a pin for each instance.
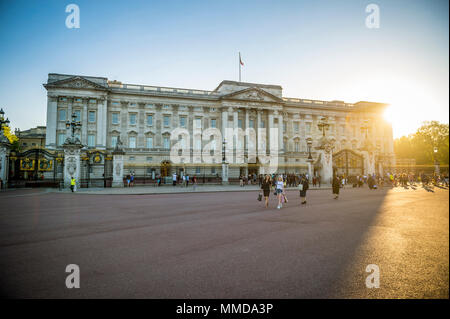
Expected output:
(72, 183)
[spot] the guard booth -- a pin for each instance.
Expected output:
(35, 168)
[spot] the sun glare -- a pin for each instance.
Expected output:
(389, 114)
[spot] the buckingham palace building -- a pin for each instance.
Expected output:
(165, 130)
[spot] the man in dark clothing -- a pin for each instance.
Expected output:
(336, 184)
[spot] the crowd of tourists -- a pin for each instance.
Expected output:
(278, 183)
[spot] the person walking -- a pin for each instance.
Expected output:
(128, 180)
(132, 180)
(336, 185)
(303, 187)
(279, 185)
(187, 180)
(194, 183)
(174, 179)
(266, 186)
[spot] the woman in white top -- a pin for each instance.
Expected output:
(279, 190)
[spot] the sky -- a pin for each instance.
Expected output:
(314, 49)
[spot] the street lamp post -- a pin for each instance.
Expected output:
(73, 125)
(309, 144)
(224, 164)
(436, 163)
(3, 122)
(4, 151)
(310, 159)
(323, 125)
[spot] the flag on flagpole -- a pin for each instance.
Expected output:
(240, 64)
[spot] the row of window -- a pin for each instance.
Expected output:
(62, 115)
(90, 139)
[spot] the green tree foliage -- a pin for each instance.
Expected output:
(421, 145)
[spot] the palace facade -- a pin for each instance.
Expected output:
(163, 130)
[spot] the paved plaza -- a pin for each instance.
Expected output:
(225, 244)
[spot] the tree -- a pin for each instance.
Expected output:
(9, 135)
(421, 145)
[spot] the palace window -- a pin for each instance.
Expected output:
(240, 123)
(166, 120)
(91, 140)
(296, 127)
(251, 123)
(113, 141)
(297, 146)
(132, 119)
(308, 128)
(150, 120)
(213, 170)
(197, 170)
(115, 118)
(61, 138)
(213, 123)
(149, 142)
(262, 124)
(183, 121)
(77, 115)
(132, 142)
(91, 116)
(198, 123)
(62, 115)
(166, 142)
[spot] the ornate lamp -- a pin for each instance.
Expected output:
(309, 144)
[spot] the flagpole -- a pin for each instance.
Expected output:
(239, 66)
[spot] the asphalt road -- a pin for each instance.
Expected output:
(225, 245)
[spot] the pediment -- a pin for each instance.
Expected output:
(75, 82)
(252, 94)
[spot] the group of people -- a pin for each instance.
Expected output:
(130, 179)
(279, 184)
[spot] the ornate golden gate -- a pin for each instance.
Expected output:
(348, 163)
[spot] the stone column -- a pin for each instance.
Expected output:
(247, 124)
(270, 126)
(258, 135)
(327, 167)
(71, 163)
(369, 163)
(118, 159)
(101, 132)
(224, 122)
(52, 121)
(280, 133)
(224, 173)
(124, 123)
(141, 125)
